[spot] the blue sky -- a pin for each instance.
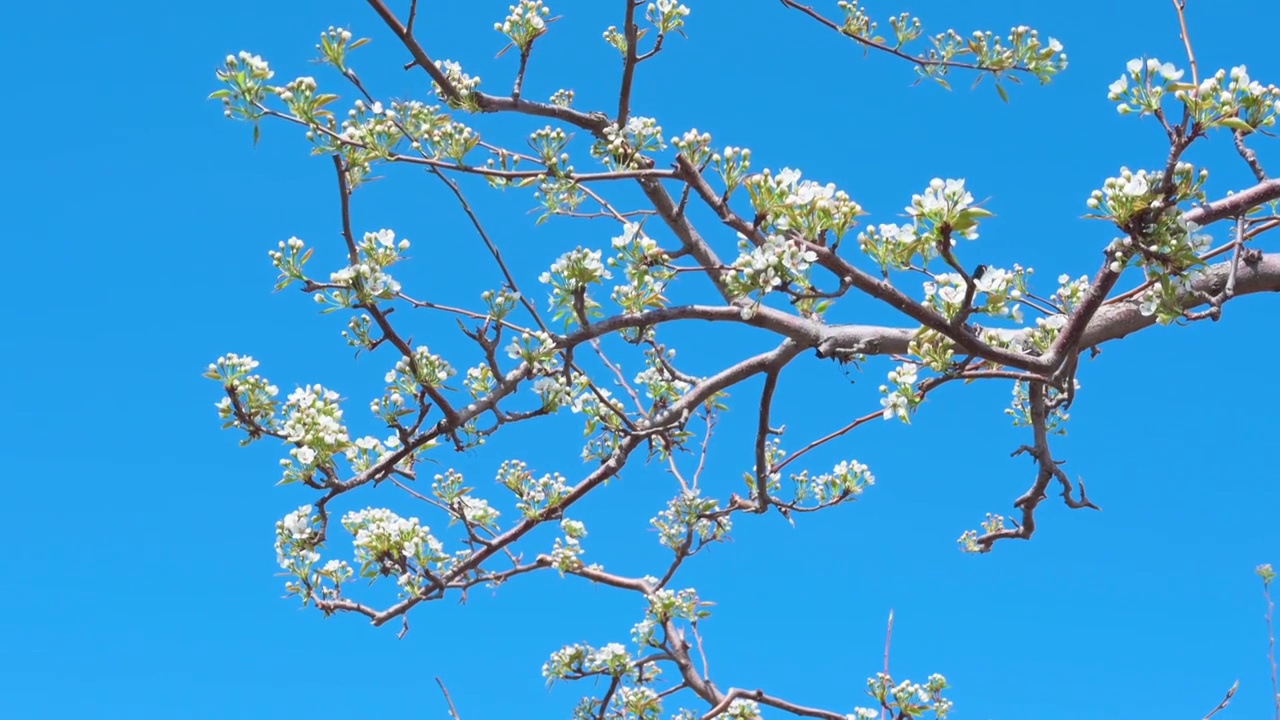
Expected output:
(142, 578)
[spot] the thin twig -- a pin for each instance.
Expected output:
(1225, 701)
(453, 713)
(1180, 6)
(1271, 648)
(888, 634)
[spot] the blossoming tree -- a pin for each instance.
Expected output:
(591, 340)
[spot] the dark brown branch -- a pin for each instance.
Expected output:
(763, 431)
(1049, 470)
(1250, 158)
(629, 31)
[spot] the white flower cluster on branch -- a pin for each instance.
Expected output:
(590, 341)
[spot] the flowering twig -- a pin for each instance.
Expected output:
(1226, 700)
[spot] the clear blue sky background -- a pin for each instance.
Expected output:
(140, 574)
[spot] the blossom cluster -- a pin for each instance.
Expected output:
(500, 304)
(620, 147)
(856, 23)
(1123, 197)
(537, 349)
(550, 143)
(1070, 293)
(694, 146)
(666, 15)
(689, 522)
(900, 396)
(420, 369)
(603, 422)
(846, 480)
(525, 21)
(969, 539)
(534, 496)
(297, 537)
(569, 277)
(300, 97)
(908, 699)
(1165, 296)
(1045, 332)
(464, 86)
(804, 207)
(742, 709)
(644, 267)
(1020, 407)
(567, 551)
(944, 209)
(334, 45)
(995, 292)
(289, 259)
(659, 380)
(245, 76)
(763, 268)
(558, 194)
(387, 544)
(1021, 48)
(1152, 82)
(462, 504)
(556, 392)
(773, 455)
(1165, 246)
(424, 126)
(365, 452)
(935, 351)
(253, 393)
(666, 604)
(581, 660)
(732, 165)
(361, 283)
(1226, 99)
(369, 132)
(313, 423)
(894, 246)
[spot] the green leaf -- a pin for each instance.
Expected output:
(357, 43)
(943, 83)
(1003, 95)
(257, 134)
(1236, 123)
(219, 94)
